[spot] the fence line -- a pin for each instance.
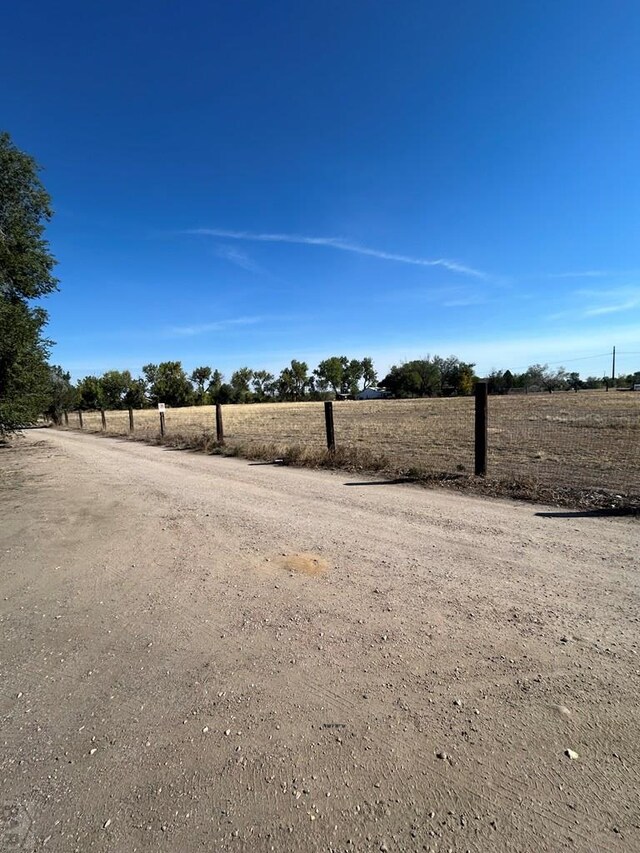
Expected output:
(586, 441)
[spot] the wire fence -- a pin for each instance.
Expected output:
(588, 440)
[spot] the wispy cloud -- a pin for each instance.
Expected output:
(582, 274)
(237, 257)
(613, 307)
(342, 245)
(592, 274)
(202, 328)
(597, 303)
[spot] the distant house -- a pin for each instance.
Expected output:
(372, 394)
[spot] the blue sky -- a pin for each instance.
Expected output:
(246, 182)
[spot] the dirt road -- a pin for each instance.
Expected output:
(207, 654)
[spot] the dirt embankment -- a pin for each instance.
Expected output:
(208, 654)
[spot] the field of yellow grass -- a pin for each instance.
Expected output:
(585, 440)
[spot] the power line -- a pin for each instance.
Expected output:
(568, 360)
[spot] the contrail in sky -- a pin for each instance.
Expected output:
(341, 244)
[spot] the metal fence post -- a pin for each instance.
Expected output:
(162, 424)
(103, 418)
(481, 395)
(130, 420)
(80, 417)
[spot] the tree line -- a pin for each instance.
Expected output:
(168, 382)
(540, 377)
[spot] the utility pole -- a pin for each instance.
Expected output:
(613, 368)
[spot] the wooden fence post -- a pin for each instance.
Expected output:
(481, 429)
(66, 419)
(80, 417)
(328, 422)
(219, 426)
(130, 420)
(103, 418)
(162, 424)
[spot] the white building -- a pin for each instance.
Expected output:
(372, 394)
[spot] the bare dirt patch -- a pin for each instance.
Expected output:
(162, 690)
(305, 564)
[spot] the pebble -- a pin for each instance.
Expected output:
(571, 754)
(442, 755)
(107, 823)
(228, 732)
(205, 730)
(457, 702)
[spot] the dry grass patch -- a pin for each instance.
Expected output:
(586, 441)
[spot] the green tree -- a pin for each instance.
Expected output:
(331, 373)
(343, 376)
(418, 378)
(136, 395)
(117, 386)
(294, 381)
(455, 376)
(352, 376)
(226, 394)
(24, 373)
(26, 273)
(240, 382)
(263, 385)
(369, 375)
(168, 383)
(62, 395)
(90, 394)
(541, 376)
(214, 386)
(508, 380)
(199, 377)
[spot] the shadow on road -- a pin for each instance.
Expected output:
(614, 512)
(395, 482)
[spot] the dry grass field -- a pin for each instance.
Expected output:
(589, 440)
